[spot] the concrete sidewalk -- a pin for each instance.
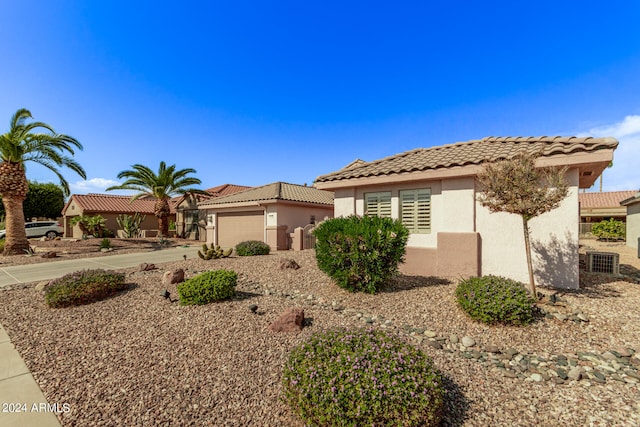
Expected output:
(54, 269)
(23, 403)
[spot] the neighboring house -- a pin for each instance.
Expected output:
(632, 205)
(434, 192)
(110, 207)
(191, 222)
(598, 206)
(268, 213)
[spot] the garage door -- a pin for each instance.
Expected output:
(237, 227)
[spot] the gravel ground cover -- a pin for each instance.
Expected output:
(137, 359)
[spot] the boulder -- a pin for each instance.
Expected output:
(49, 254)
(146, 267)
(173, 276)
(40, 286)
(289, 263)
(289, 321)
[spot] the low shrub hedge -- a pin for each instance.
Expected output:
(252, 247)
(360, 253)
(362, 377)
(610, 229)
(208, 287)
(83, 287)
(495, 299)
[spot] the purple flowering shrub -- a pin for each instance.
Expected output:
(83, 287)
(362, 377)
(495, 299)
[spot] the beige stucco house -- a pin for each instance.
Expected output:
(190, 221)
(633, 219)
(110, 207)
(433, 190)
(268, 213)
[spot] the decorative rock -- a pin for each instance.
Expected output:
(454, 339)
(510, 374)
(289, 263)
(173, 276)
(562, 373)
(575, 374)
(434, 344)
(492, 349)
(40, 286)
(623, 351)
(289, 321)
(536, 377)
(607, 355)
(511, 352)
(49, 254)
(253, 308)
(146, 267)
(430, 334)
(468, 341)
(598, 377)
(559, 316)
(582, 317)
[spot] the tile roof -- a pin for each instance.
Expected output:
(109, 203)
(219, 191)
(631, 200)
(275, 191)
(469, 153)
(606, 199)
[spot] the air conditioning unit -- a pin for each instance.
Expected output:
(603, 262)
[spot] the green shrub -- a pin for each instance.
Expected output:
(83, 287)
(208, 287)
(610, 229)
(252, 247)
(2, 242)
(360, 253)
(494, 299)
(105, 243)
(362, 377)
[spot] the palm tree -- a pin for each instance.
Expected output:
(39, 143)
(166, 184)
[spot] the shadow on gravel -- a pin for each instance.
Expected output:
(456, 405)
(242, 295)
(405, 283)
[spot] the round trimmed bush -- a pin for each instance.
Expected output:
(208, 287)
(362, 377)
(252, 247)
(83, 287)
(495, 299)
(360, 253)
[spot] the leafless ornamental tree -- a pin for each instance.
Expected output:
(518, 187)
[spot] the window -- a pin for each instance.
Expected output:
(378, 204)
(415, 210)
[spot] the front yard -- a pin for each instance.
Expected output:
(138, 359)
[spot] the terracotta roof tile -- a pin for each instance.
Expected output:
(470, 152)
(275, 191)
(606, 199)
(116, 204)
(220, 190)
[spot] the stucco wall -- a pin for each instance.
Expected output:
(633, 224)
(554, 241)
(298, 216)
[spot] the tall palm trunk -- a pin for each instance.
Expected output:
(162, 211)
(13, 189)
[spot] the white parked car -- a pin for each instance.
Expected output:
(51, 229)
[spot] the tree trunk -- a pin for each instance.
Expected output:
(527, 245)
(16, 237)
(162, 211)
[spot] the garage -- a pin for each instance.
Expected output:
(237, 227)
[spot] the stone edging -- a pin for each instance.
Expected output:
(621, 365)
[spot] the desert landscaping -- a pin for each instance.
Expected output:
(140, 359)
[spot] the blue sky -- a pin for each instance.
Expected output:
(255, 92)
